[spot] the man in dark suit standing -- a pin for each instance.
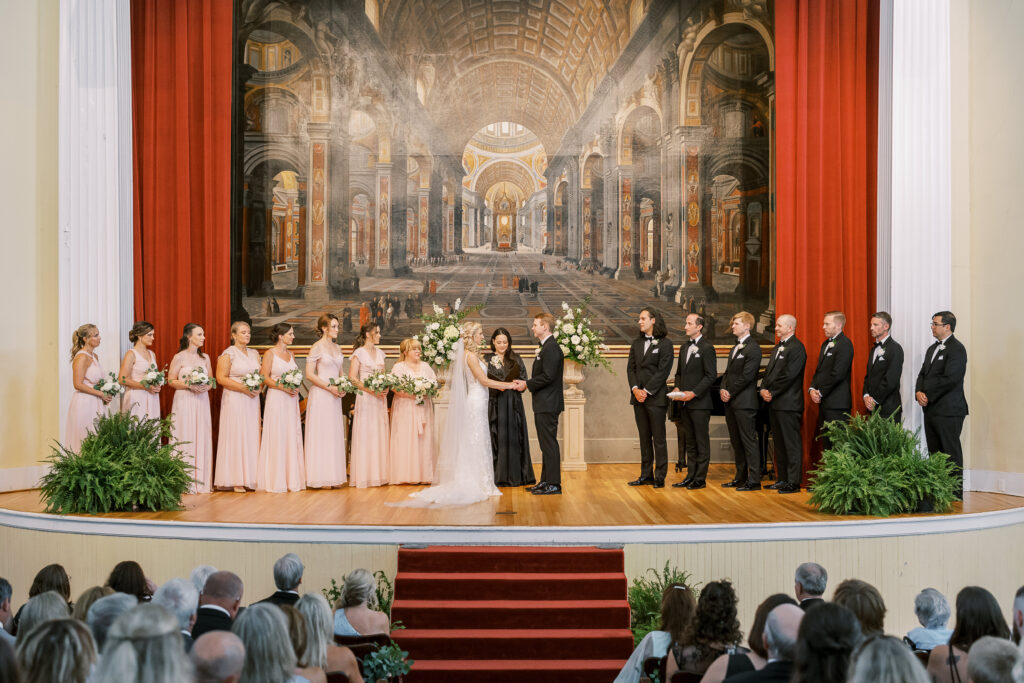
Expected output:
(739, 393)
(885, 365)
(287, 577)
(648, 367)
(696, 371)
(940, 392)
(783, 390)
(830, 386)
(218, 603)
(545, 384)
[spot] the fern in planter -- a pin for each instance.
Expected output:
(644, 597)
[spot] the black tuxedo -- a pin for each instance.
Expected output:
(695, 373)
(832, 379)
(808, 603)
(882, 378)
(740, 380)
(942, 380)
(780, 670)
(545, 384)
(784, 379)
(282, 598)
(649, 370)
(210, 619)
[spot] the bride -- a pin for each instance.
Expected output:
(465, 468)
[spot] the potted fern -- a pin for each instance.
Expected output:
(645, 594)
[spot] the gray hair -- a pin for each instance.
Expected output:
(932, 608)
(6, 590)
(360, 587)
(779, 640)
(57, 650)
(180, 598)
(105, 611)
(885, 659)
(269, 657)
(288, 572)
(991, 660)
(200, 574)
(144, 646)
(43, 607)
(319, 629)
(217, 656)
(812, 577)
(788, 320)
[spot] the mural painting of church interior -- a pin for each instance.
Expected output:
(392, 154)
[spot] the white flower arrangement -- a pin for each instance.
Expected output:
(109, 386)
(198, 376)
(153, 377)
(441, 334)
(291, 379)
(496, 361)
(578, 340)
(344, 384)
(380, 382)
(252, 381)
(420, 387)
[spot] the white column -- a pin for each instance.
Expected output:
(94, 179)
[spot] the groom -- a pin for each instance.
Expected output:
(545, 384)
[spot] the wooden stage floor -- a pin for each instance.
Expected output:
(597, 497)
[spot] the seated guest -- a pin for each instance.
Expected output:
(714, 631)
(780, 633)
(9, 671)
(218, 657)
(885, 659)
(992, 660)
(45, 606)
(52, 577)
(57, 650)
(1018, 615)
(218, 603)
(144, 646)
(864, 600)
(287, 577)
(200, 574)
(355, 612)
(828, 635)
(180, 598)
(299, 637)
(268, 651)
(320, 648)
(977, 615)
(128, 577)
(810, 581)
(731, 665)
(104, 612)
(677, 608)
(932, 610)
(86, 600)
(6, 613)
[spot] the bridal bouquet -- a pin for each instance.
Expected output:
(441, 333)
(109, 386)
(291, 379)
(253, 381)
(578, 340)
(344, 384)
(380, 382)
(198, 377)
(153, 377)
(420, 387)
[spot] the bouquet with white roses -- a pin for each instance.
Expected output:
(420, 387)
(109, 386)
(198, 376)
(344, 384)
(441, 333)
(153, 377)
(380, 382)
(252, 381)
(291, 379)
(578, 340)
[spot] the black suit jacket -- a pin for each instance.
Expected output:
(281, 598)
(697, 375)
(784, 376)
(779, 670)
(546, 381)
(832, 376)
(882, 377)
(650, 370)
(740, 378)
(208, 619)
(942, 380)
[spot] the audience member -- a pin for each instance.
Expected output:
(714, 631)
(810, 582)
(864, 600)
(885, 659)
(320, 648)
(932, 610)
(200, 574)
(977, 615)
(991, 660)
(355, 612)
(45, 606)
(128, 577)
(86, 600)
(287, 577)
(218, 603)
(143, 646)
(58, 650)
(828, 635)
(6, 613)
(755, 660)
(52, 577)
(677, 608)
(218, 657)
(104, 612)
(180, 598)
(269, 657)
(9, 671)
(780, 633)
(1018, 615)
(299, 637)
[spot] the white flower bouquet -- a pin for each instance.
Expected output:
(441, 333)
(344, 384)
(252, 381)
(578, 340)
(380, 382)
(197, 376)
(153, 377)
(420, 387)
(291, 379)
(109, 386)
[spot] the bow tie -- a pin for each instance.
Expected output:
(878, 343)
(648, 337)
(693, 342)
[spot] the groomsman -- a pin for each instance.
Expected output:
(696, 371)
(830, 386)
(940, 391)
(885, 365)
(783, 390)
(648, 367)
(739, 393)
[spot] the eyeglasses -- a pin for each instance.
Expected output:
(935, 324)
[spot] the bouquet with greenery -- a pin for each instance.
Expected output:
(441, 333)
(380, 382)
(291, 379)
(578, 340)
(197, 376)
(252, 381)
(109, 386)
(154, 377)
(420, 387)
(344, 384)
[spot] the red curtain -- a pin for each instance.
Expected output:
(181, 113)
(826, 70)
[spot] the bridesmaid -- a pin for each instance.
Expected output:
(412, 425)
(138, 400)
(510, 442)
(280, 465)
(325, 423)
(86, 403)
(190, 412)
(238, 436)
(370, 424)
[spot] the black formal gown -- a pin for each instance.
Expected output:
(510, 442)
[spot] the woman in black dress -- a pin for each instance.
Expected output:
(510, 442)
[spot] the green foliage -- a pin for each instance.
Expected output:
(875, 468)
(385, 592)
(386, 662)
(644, 597)
(124, 465)
(332, 593)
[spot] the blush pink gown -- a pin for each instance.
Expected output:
(84, 408)
(325, 423)
(238, 436)
(140, 402)
(369, 428)
(280, 467)
(191, 422)
(412, 433)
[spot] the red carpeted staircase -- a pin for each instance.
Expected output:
(501, 614)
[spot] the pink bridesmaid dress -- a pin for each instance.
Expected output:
(191, 422)
(369, 428)
(238, 437)
(325, 423)
(280, 467)
(140, 402)
(84, 408)
(412, 432)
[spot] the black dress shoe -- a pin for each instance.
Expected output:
(749, 486)
(681, 484)
(686, 482)
(536, 486)
(548, 490)
(789, 488)
(778, 485)
(731, 484)
(642, 481)
(696, 484)
(658, 484)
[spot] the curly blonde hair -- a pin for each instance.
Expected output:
(468, 331)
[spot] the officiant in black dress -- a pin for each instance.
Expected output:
(510, 442)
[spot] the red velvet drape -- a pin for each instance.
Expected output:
(826, 70)
(181, 112)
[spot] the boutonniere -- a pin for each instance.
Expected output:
(831, 344)
(881, 354)
(496, 361)
(942, 346)
(536, 354)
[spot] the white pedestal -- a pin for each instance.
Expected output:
(440, 418)
(573, 457)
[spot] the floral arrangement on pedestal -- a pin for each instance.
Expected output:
(441, 333)
(580, 343)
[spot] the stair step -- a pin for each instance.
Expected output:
(532, 643)
(514, 670)
(510, 586)
(511, 613)
(510, 559)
